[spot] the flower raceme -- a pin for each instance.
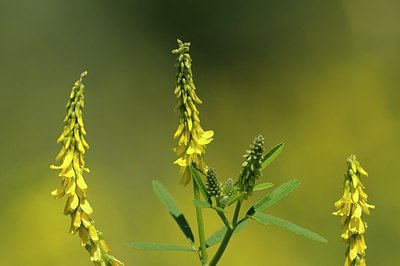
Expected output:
(251, 166)
(351, 207)
(73, 184)
(192, 139)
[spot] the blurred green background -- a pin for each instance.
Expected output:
(321, 76)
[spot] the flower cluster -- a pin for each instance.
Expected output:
(192, 139)
(351, 207)
(73, 185)
(220, 191)
(251, 166)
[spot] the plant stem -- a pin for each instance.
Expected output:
(228, 235)
(200, 225)
(236, 215)
(223, 218)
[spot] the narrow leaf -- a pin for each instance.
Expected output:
(219, 235)
(236, 197)
(219, 209)
(200, 184)
(200, 203)
(159, 246)
(262, 186)
(275, 196)
(168, 201)
(266, 219)
(271, 155)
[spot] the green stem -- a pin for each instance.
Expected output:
(236, 215)
(200, 225)
(224, 219)
(228, 235)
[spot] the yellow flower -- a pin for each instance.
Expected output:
(192, 139)
(351, 207)
(73, 184)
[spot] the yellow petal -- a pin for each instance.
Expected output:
(85, 144)
(177, 89)
(68, 172)
(75, 202)
(96, 255)
(93, 233)
(190, 124)
(86, 220)
(104, 245)
(77, 219)
(352, 251)
(84, 235)
(358, 211)
(58, 192)
(70, 189)
(181, 162)
(61, 138)
(81, 182)
(60, 154)
(86, 207)
(67, 159)
(361, 170)
(355, 196)
(179, 131)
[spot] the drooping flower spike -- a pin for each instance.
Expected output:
(192, 139)
(73, 185)
(351, 207)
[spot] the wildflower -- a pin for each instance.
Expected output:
(73, 185)
(192, 139)
(351, 207)
(251, 166)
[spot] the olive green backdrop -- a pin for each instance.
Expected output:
(321, 76)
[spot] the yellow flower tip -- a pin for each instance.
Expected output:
(84, 74)
(54, 167)
(362, 171)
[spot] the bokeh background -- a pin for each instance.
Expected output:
(321, 76)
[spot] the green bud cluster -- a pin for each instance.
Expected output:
(220, 191)
(251, 166)
(213, 184)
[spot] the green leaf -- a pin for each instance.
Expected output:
(200, 203)
(168, 201)
(200, 184)
(271, 155)
(159, 247)
(275, 196)
(219, 235)
(262, 186)
(219, 209)
(236, 197)
(266, 219)
(203, 204)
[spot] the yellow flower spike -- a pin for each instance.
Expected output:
(192, 139)
(351, 207)
(71, 156)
